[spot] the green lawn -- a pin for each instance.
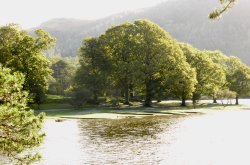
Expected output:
(57, 107)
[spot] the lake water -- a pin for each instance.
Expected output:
(216, 138)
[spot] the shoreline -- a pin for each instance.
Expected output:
(139, 112)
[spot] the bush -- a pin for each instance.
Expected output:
(226, 94)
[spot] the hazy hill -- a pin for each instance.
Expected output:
(186, 20)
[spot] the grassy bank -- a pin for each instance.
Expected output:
(57, 108)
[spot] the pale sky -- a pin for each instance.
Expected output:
(31, 13)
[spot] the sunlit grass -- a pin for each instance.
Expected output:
(110, 113)
(59, 107)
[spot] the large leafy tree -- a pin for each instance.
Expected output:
(210, 76)
(182, 82)
(20, 129)
(238, 77)
(138, 55)
(158, 54)
(92, 76)
(24, 53)
(220, 59)
(119, 43)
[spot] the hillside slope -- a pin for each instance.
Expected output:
(185, 20)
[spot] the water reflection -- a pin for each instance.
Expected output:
(213, 139)
(124, 141)
(122, 128)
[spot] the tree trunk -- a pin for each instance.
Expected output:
(131, 91)
(237, 100)
(183, 102)
(95, 98)
(148, 100)
(193, 99)
(214, 100)
(126, 96)
(131, 95)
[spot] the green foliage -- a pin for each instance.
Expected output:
(21, 52)
(225, 94)
(62, 76)
(119, 43)
(210, 75)
(183, 82)
(20, 129)
(11, 89)
(140, 59)
(92, 76)
(220, 60)
(82, 96)
(158, 54)
(238, 76)
(225, 5)
(142, 56)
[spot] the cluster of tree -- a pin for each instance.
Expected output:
(218, 74)
(24, 71)
(140, 59)
(131, 58)
(23, 53)
(63, 70)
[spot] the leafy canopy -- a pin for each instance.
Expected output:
(24, 53)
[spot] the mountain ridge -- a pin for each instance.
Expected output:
(185, 20)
